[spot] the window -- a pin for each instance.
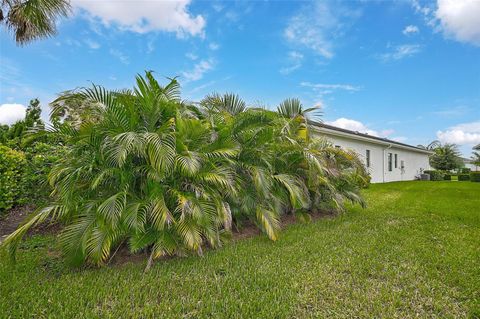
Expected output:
(390, 162)
(396, 160)
(367, 158)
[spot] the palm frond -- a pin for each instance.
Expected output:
(35, 19)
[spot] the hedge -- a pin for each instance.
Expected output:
(12, 164)
(463, 177)
(40, 157)
(447, 177)
(475, 177)
(435, 175)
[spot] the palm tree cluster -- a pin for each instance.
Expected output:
(162, 175)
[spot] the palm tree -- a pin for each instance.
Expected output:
(275, 155)
(167, 177)
(228, 102)
(264, 192)
(446, 157)
(141, 173)
(293, 110)
(32, 19)
(430, 147)
(476, 155)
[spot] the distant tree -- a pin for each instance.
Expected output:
(73, 108)
(476, 155)
(32, 116)
(431, 146)
(14, 134)
(446, 157)
(32, 19)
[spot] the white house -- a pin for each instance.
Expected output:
(386, 160)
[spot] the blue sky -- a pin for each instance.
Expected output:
(406, 70)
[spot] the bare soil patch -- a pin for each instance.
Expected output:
(122, 255)
(16, 216)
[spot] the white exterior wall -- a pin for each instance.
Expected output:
(414, 161)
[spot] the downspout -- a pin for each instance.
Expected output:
(384, 154)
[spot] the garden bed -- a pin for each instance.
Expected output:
(412, 253)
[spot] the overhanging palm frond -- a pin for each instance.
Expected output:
(269, 222)
(34, 19)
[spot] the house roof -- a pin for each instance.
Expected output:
(374, 139)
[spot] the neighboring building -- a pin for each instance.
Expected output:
(470, 164)
(386, 160)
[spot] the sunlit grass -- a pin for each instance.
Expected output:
(415, 252)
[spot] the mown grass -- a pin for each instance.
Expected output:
(415, 252)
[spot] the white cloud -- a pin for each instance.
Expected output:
(11, 113)
(295, 58)
(232, 16)
(203, 86)
(410, 29)
(460, 19)
(150, 45)
(317, 26)
(120, 55)
(92, 44)
(353, 125)
(462, 134)
(145, 16)
(401, 51)
(387, 132)
(198, 70)
(357, 126)
(330, 87)
(289, 69)
(453, 111)
(191, 56)
(401, 139)
(457, 19)
(213, 46)
(217, 7)
(73, 42)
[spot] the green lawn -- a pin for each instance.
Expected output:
(415, 252)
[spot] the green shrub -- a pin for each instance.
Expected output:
(170, 178)
(12, 164)
(40, 157)
(465, 170)
(463, 177)
(435, 175)
(447, 177)
(475, 176)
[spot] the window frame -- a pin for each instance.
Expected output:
(390, 162)
(367, 158)
(396, 161)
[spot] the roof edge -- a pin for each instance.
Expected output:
(373, 139)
